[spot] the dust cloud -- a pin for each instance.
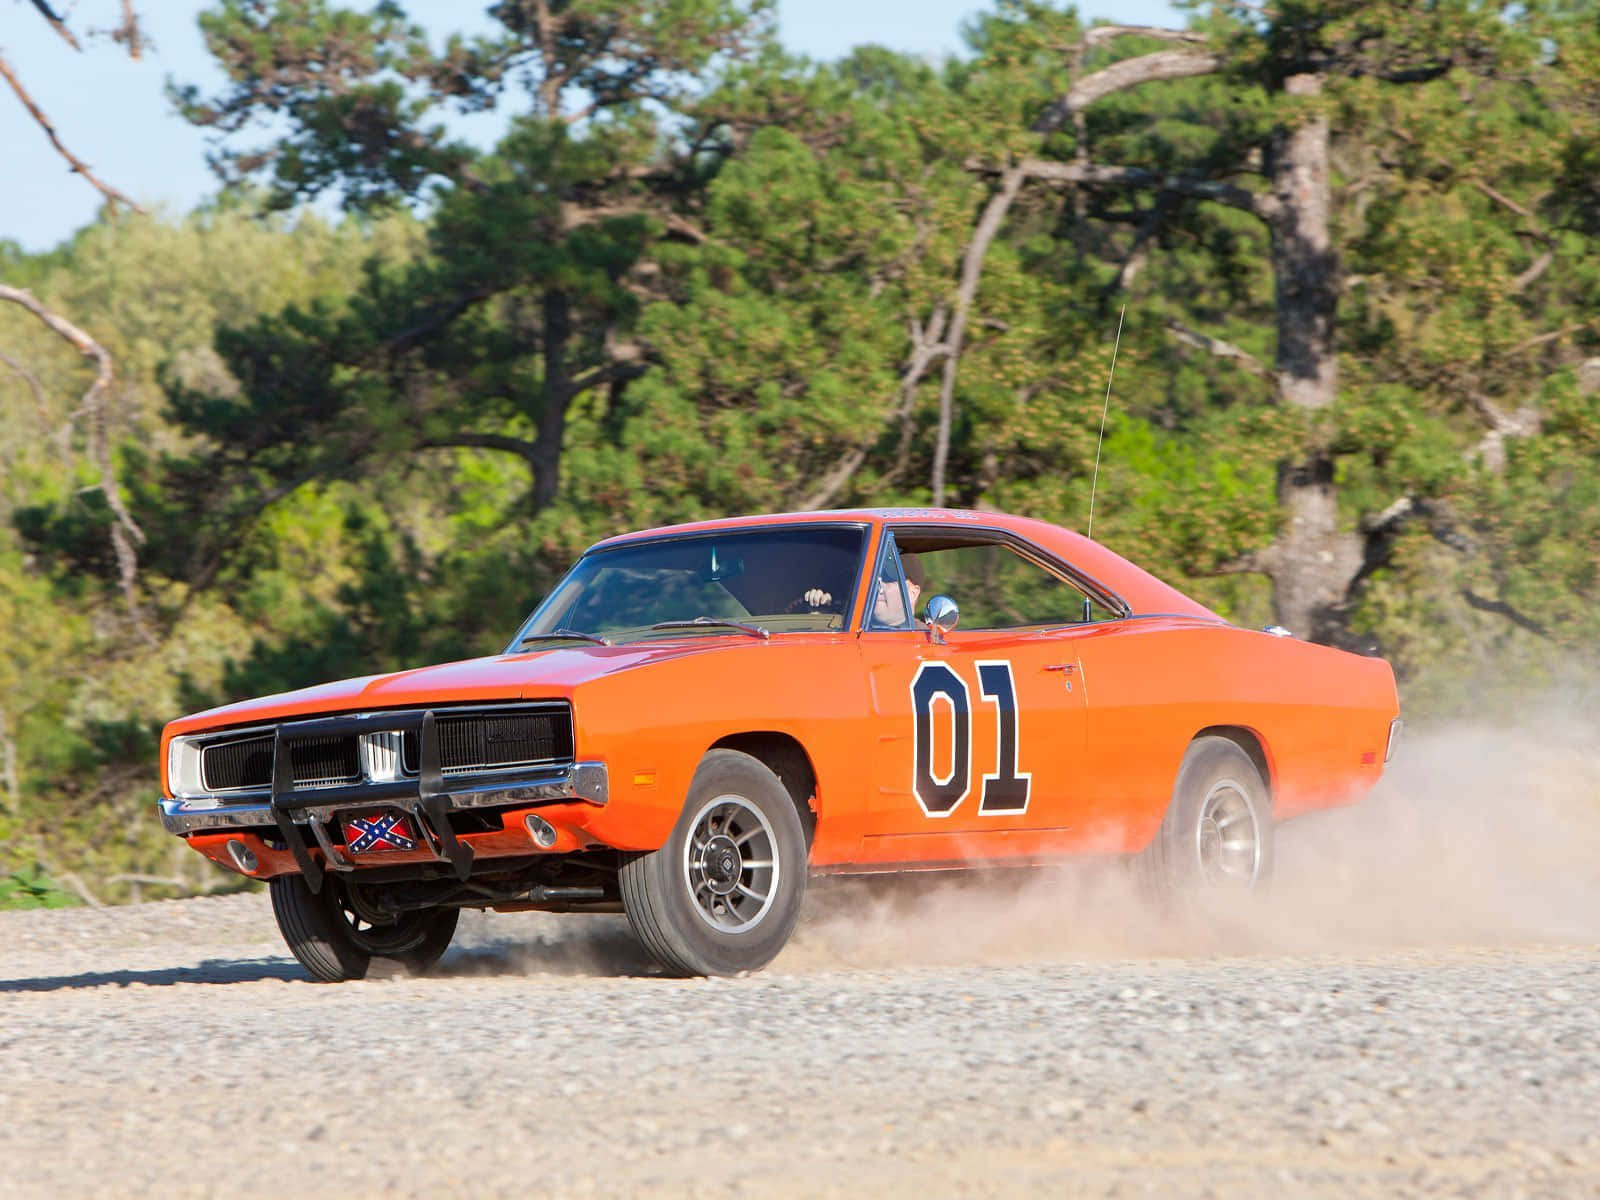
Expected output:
(1480, 834)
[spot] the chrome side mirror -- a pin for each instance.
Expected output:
(940, 616)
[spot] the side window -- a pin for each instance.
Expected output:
(997, 588)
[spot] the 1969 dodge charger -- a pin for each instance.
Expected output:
(696, 718)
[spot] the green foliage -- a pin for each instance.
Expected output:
(699, 277)
(33, 889)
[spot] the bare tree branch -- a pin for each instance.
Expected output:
(481, 441)
(1502, 609)
(1219, 348)
(125, 532)
(1491, 447)
(1390, 517)
(971, 271)
(1537, 268)
(1258, 204)
(57, 24)
(926, 349)
(8, 768)
(128, 32)
(1552, 336)
(613, 372)
(1505, 201)
(1101, 34)
(1138, 253)
(1120, 76)
(113, 197)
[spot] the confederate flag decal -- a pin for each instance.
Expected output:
(380, 831)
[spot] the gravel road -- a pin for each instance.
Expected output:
(1410, 1014)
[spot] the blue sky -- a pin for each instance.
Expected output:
(114, 115)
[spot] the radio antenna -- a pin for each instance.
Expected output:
(1103, 411)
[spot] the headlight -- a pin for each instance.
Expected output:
(183, 768)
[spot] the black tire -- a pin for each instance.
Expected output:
(329, 935)
(1215, 844)
(698, 904)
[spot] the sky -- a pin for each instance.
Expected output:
(114, 114)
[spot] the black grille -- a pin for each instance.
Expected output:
(325, 760)
(242, 764)
(247, 763)
(484, 741)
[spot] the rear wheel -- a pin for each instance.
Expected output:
(724, 893)
(1215, 843)
(338, 932)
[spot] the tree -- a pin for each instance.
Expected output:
(1262, 144)
(542, 251)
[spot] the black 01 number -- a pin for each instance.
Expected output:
(1005, 789)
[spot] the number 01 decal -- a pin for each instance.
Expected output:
(1005, 789)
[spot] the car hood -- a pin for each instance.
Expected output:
(542, 674)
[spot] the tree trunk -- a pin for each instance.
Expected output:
(1312, 564)
(8, 768)
(557, 395)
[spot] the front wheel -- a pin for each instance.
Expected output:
(724, 893)
(1215, 843)
(337, 932)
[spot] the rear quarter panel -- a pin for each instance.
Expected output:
(1320, 715)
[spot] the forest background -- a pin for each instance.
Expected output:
(1357, 392)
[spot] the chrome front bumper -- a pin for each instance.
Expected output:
(584, 781)
(429, 796)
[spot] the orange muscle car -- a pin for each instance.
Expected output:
(698, 717)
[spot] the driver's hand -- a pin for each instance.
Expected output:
(816, 597)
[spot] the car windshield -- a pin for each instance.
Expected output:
(780, 580)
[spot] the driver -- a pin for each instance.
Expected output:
(887, 612)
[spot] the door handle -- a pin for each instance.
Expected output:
(1064, 668)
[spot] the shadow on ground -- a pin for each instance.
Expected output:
(212, 970)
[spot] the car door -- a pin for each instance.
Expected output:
(974, 737)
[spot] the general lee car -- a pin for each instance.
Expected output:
(696, 718)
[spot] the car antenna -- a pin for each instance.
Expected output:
(1106, 408)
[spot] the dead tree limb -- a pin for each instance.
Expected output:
(128, 32)
(1128, 73)
(113, 197)
(57, 24)
(1258, 204)
(994, 214)
(125, 532)
(1139, 252)
(1218, 348)
(927, 347)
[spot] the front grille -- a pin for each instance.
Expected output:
(247, 763)
(469, 742)
(325, 760)
(494, 741)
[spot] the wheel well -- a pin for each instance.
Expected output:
(1249, 742)
(788, 760)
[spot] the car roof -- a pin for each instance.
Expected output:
(1144, 593)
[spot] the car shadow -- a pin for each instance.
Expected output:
(211, 970)
(595, 953)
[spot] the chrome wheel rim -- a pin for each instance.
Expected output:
(730, 864)
(1228, 838)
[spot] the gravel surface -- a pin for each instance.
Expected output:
(1407, 1016)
